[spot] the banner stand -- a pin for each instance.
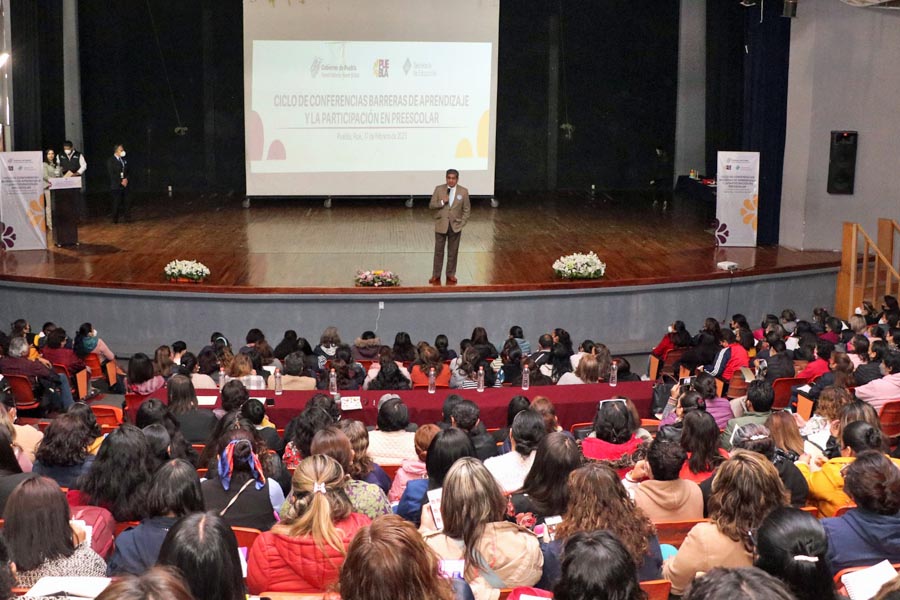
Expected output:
(22, 221)
(737, 198)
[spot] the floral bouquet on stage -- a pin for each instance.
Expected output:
(579, 266)
(378, 278)
(186, 270)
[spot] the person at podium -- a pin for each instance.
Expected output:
(52, 169)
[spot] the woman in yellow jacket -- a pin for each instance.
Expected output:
(826, 486)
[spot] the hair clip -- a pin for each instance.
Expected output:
(758, 436)
(804, 558)
(319, 487)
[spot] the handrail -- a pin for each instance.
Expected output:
(857, 258)
(887, 234)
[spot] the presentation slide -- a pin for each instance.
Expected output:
(375, 114)
(373, 106)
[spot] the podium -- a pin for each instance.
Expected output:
(65, 194)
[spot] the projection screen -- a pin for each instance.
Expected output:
(369, 97)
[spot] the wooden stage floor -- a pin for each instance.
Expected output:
(298, 246)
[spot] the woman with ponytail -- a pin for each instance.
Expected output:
(792, 546)
(304, 552)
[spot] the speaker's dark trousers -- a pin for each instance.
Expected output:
(451, 241)
(121, 204)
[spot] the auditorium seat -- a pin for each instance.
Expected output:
(843, 510)
(107, 415)
(390, 470)
(22, 392)
(674, 532)
(657, 589)
(581, 430)
(782, 388)
(890, 420)
(245, 536)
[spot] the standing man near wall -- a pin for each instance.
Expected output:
(117, 167)
(451, 207)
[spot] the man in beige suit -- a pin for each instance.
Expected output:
(451, 207)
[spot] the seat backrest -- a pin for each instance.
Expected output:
(674, 532)
(653, 368)
(107, 415)
(581, 430)
(22, 391)
(840, 512)
(245, 536)
(390, 470)
(811, 510)
(737, 387)
(672, 356)
(782, 388)
(657, 589)
(890, 418)
(92, 362)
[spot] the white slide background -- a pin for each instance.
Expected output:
(369, 97)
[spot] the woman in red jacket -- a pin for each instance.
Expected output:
(304, 553)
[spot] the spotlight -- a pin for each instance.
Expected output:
(747, 3)
(790, 9)
(4, 58)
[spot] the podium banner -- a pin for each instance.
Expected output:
(737, 198)
(22, 224)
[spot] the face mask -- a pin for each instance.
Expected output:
(122, 154)
(94, 333)
(68, 153)
(671, 329)
(858, 311)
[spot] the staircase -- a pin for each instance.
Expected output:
(869, 269)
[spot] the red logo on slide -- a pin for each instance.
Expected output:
(381, 66)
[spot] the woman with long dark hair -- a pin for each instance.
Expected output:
(195, 423)
(204, 551)
(545, 491)
(466, 375)
(404, 350)
(676, 337)
(142, 378)
(791, 545)
(447, 447)
(700, 439)
(173, 493)
(119, 478)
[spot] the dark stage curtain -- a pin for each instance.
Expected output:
(26, 74)
(724, 79)
(765, 108)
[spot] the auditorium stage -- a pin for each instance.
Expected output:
(300, 247)
(289, 264)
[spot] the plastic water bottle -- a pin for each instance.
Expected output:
(481, 379)
(221, 377)
(526, 377)
(614, 374)
(432, 384)
(278, 386)
(332, 382)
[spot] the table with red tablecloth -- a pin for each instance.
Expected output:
(574, 403)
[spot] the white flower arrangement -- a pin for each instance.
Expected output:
(186, 269)
(579, 266)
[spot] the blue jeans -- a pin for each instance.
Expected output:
(65, 393)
